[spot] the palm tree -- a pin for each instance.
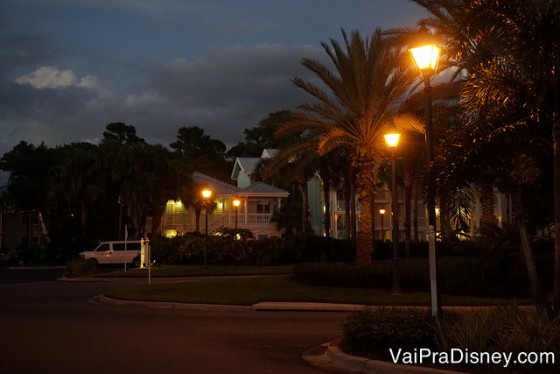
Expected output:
(511, 52)
(74, 181)
(296, 164)
(352, 113)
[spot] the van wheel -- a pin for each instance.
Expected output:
(136, 262)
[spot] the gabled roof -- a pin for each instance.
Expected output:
(223, 189)
(244, 164)
(220, 188)
(260, 188)
(270, 153)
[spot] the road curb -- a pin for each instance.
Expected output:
(170, 305)
(306, 306)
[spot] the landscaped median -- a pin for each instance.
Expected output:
(253, 290)
(249, 285)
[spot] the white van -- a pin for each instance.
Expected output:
(115, 252)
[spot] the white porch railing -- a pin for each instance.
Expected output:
(187, 222)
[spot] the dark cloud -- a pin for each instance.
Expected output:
(70, 67)
(225, 91)
(19, 51)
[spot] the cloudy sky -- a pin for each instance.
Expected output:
(70, 67)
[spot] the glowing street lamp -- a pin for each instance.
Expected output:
(392, 140)
(382, 212)
(425, 53)
(236, 203)
(206, 194)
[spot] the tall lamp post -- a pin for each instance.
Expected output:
(392, 140)
(425, 54)
(206, 194)
(382, 213)
(236, 204)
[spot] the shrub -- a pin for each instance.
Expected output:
(224, 249)
(457, 276)
(504, 329)
(78, 268)
(343, 275)
(373, 333)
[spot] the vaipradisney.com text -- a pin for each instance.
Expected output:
(420, 356)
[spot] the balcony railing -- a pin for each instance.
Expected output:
(187, 222)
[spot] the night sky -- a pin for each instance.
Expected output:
(70, 67)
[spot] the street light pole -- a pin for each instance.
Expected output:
(382, 213)
(236, 204)
(392, 140)
(425, 54)
(206, 194)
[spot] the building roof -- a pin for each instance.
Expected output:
(223, 189)
(270, 153)
(263, 189)
(244, 164)
(219, 187)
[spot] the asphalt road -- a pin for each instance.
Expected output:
(50, 326)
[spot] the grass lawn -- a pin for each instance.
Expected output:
(196, 271)
(249, 291)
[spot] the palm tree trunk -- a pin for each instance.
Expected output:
(83, 217)
(156, 219)
(487, 203)
(197, 213)
(364, 240)
(347, 197)
(444, 217)
(556, 176)
(416, 195)
(327, 200)
(304, 206)
(353, 217)
(541, 302)
(407, 214)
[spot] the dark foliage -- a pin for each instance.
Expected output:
(379, 330)
(226, 250)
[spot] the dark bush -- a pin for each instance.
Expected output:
(456, 276)
(374, 332)
(78, 268)
(343, 275)
(225, 249)
(383, 250)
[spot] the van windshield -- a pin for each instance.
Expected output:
(104, 247)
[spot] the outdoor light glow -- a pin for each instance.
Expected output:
(206, 193)
(392, 140)
(236, 203)
(426, 57)
(381, 211)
